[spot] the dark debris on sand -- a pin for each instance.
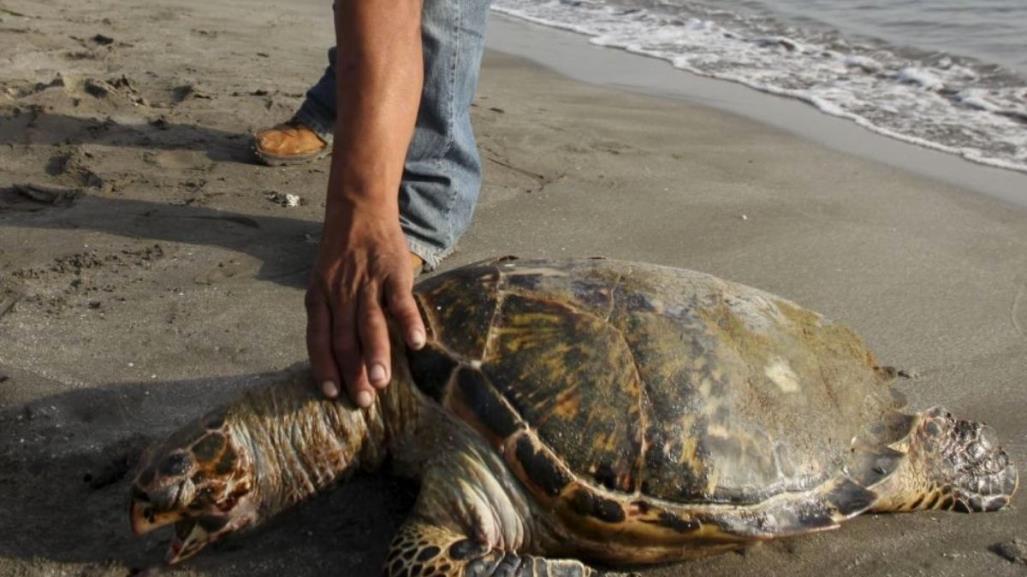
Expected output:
(1014, 551)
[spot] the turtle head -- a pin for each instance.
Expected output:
(201, 481)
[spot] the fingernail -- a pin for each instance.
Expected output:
(417, 338)
(377, 375)
(364, 399)
(329, 389)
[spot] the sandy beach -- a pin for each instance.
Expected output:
(151, 269)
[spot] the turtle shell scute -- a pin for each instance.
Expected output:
(646, 381)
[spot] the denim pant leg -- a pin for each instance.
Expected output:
(442, 173)
(318, 109)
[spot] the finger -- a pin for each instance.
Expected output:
(374, 337)
(403, 308)
(346, 349)
(319, 343)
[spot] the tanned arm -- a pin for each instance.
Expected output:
(363, 270)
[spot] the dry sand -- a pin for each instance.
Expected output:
(173, 277)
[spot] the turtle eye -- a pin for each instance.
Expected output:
(205, 497)
(175, 464)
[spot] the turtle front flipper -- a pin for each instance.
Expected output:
(423, 549)
(949, 464)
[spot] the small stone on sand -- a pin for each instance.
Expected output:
(285, 199)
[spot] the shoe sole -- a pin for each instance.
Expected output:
(274, 160)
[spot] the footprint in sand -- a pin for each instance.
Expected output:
(31, 197)
(71, 165)
(178, 160)
(9, 296)
(224, 271)
(1018, 311)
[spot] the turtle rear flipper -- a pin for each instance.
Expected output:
(950, 464)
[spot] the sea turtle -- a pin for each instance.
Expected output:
(587, 410)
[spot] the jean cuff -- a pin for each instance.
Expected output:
(429, 254)
(308, 115)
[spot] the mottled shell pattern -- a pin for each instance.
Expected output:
(638, 395)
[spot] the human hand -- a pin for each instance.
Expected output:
(363, 272)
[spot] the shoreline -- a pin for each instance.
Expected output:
(570, 54)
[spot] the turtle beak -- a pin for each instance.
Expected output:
(189, 539)
(145, 517)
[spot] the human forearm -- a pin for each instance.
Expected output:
(379, 74)
(364, 267)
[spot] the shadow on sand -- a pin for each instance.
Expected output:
(33, 126)
(66, 469)
(284, 246)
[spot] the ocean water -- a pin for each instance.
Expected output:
(946, 74)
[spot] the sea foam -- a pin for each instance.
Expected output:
(945, 102)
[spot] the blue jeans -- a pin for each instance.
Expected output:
(442, 174)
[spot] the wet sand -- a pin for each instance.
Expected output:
(163, 274)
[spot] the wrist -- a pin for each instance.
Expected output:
(366, 190)
(361, 201)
